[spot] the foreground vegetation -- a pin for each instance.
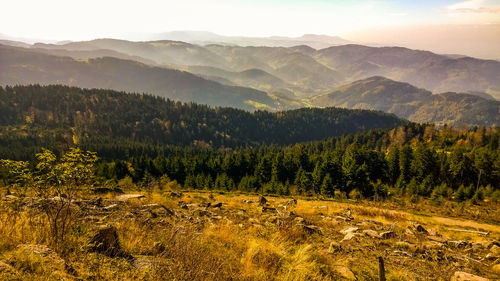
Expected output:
(166, 235)
(57, 224)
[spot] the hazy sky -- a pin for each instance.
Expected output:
(78, 20)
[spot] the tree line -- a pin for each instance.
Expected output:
(417, 160)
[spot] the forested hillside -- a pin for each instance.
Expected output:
(414, 104)
(145, 137)
(28, 114)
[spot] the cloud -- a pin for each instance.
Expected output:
(473, 6)
(493, 10)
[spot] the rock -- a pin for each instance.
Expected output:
(431, 245)
(371, 233)
(433, 232)
(494, 253)
(334, 247)
(496, 268)
(409, 233)
(406, 246)
(310, 229)
(420, 229)
(341, 218)
(205, 204)
(126, 197)
(111, 207)
(349, 230)
(403, 253)
(143, 262)
(495, 249)
(268, 209)
(106, 241)
(458, 244)
(464, 276)
(387, 234)
(350, 236)
(299, 220)
(176, 194)
(262, 201)
(59, 269)
(436, 238)
(43, 251)
(218, 205)
(9, 197)
(345, 272)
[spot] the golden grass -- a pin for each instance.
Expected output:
(241, 243)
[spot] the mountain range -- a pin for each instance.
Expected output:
(392, 79)
(309, 71)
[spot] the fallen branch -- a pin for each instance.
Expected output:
(469, 231)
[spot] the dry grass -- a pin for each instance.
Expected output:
(240, 242)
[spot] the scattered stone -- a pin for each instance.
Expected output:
(299, 220)
(350, 236)
(431, 245)
(349, 230)
(494, 253)
(268, 209)
(176, 194)
(403, 253)
(409, 233)
(205, 204)
(218, 205)
(387, 234)
(143, 262)
(106, 241)
(406, 246)
(496, 268)
(345, 272)
(341, 218)
(9, 197)
(126, 197)
(262, 201)
(495, 249)
(151, 206)
(458, 244)
(433, 232)
(464, 276)
(111, 207)
(436, 238)
(371, 233)
(420, 229)
(43, 251)
(310, 229)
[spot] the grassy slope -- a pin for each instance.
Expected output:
(242, 242)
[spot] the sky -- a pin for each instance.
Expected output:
(89, 19)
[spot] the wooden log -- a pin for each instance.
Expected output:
(381, 269)
(469, 231)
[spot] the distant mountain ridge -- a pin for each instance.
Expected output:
(25, 66)
(272, 78)
(412, 103)
(309, 71)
